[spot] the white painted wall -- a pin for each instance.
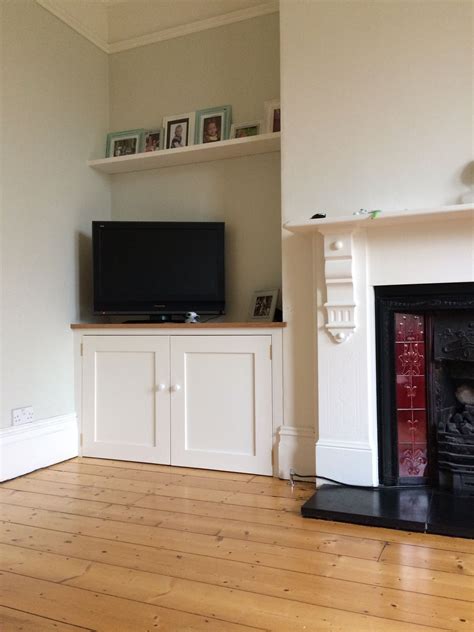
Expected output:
(54, 117)
(236, 64)
(377, 113)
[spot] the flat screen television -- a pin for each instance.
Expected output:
(158, 268)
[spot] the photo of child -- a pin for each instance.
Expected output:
(212, 129)
(177, 135)
(213, 124)
(152, 140)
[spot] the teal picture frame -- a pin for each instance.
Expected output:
(114, 139)
(220, 117)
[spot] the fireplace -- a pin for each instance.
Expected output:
(425, 412)
(403, 452)
(425, 385)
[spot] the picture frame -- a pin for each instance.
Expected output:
(124, 143)
(179, 130)
(263, 305)
(152, 140)
(244, 130)
(213, 124)
(272, 116)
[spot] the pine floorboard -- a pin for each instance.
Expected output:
(95, 544)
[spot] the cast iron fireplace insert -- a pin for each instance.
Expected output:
(425, 385)
(425, 411)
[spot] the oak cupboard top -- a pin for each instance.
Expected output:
(146, 325)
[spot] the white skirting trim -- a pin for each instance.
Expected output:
(29, 447)
(295, 450)
(351, 462)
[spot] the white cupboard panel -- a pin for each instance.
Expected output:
(221, 402)
(128, 419)
(126, 405)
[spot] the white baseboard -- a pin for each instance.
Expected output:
(295, 450)
(29, 447)
(347, 461)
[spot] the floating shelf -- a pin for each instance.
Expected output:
(234, 148)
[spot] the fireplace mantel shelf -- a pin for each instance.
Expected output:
(348, 223)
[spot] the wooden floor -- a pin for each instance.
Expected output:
(91, 544)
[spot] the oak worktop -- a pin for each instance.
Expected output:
(210, 325)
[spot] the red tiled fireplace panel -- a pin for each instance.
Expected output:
(411, 395)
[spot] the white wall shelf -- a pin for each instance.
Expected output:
(346, 223)
(234, 148)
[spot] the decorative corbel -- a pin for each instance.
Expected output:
(339, 275)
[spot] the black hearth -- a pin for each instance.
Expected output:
(425, 400)
(421, 509)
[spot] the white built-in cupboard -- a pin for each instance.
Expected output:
(204, 396)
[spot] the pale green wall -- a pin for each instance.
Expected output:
(54, 117)
(239, 65)
(244, 192)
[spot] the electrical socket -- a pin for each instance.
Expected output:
(22, 415)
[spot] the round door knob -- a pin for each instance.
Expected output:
(176, 387)
(161, 387)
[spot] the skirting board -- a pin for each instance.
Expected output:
(29, 447)
(347, 461)
(295, 450)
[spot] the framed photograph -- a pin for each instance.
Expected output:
(153, 139)
(272, 116)
(254, 128)
(213, 124)
(124, 143)
(263, 305)
(179, 130)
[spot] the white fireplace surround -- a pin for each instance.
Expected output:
(351, 256)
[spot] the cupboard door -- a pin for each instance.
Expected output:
(221, 403)
(126, 400)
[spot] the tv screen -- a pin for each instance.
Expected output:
(158, 267)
